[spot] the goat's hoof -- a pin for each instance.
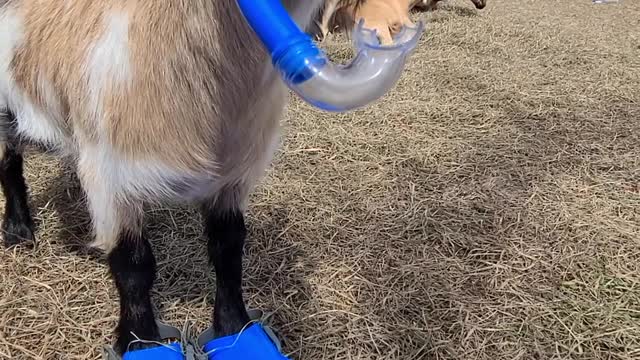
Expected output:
(17, 233)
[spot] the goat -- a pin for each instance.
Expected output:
(385, 16)
(157, 102)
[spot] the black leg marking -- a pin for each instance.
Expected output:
(17, 225)
(133, 267)
(226, 234)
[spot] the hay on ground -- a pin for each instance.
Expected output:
(487, 208)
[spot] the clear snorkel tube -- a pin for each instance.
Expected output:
(307, 71)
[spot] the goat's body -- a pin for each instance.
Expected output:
(157, 100)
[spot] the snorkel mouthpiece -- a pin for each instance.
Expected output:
(309, 73)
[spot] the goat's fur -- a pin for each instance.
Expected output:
(157, 100)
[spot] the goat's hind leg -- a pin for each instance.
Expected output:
(17, 224)
(119, 232)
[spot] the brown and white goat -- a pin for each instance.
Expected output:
(385, 16)
(157, 101)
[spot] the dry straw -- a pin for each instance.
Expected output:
(488, 208)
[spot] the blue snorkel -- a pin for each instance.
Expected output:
(310, 74)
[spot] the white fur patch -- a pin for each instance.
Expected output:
(108, 62)
(100, 190)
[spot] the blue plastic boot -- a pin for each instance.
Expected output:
(255, 342)
(171, 351)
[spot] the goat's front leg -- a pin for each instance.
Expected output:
(118, 231)
(133, 268)
(226, 232)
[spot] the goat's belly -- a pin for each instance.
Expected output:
(158, 182)
(242, 154)
(237, 164)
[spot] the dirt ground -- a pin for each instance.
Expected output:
(488, 208)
